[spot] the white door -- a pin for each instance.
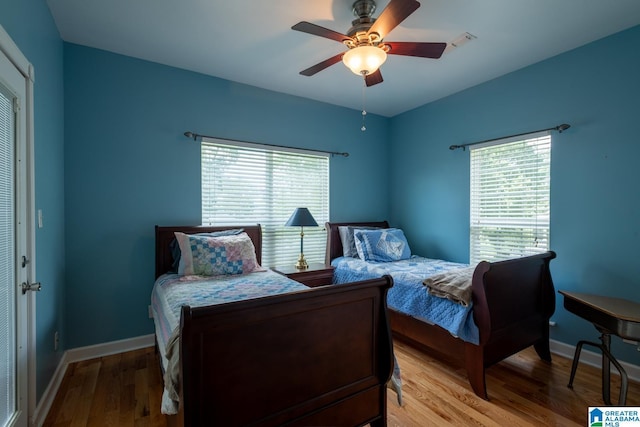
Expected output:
(13, 245)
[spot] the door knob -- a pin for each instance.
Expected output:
(30, 287)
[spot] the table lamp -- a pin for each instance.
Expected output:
(301, 217)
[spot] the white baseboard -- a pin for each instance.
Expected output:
(109, 348)
(77, 355)
(43, 406)
(592, 358)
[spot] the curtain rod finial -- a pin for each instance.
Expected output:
(190, 134)
(561, 128)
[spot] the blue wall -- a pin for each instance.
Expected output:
(30, 25)
(595, 202)
(128, 166)
(111, 162)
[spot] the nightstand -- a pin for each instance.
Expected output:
(317, 274)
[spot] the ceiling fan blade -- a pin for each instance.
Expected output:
(316, 30)
(322, 65)
(392, 15)
(373, 78)
(423, 50)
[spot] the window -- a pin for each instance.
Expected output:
(248, 183)
(510, 198)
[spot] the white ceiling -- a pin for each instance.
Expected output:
(251, 41)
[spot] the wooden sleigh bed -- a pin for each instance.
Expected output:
(513, 301)
(320, 356)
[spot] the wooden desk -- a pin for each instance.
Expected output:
(609, 315)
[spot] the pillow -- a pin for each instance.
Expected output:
(215, 256)
(382, 245)
(175, 248)
(348, 242)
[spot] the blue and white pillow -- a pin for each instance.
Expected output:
(214, 256)
(348, 241)
(175, 248)
(382, 245)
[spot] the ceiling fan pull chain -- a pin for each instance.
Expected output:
(364, 112)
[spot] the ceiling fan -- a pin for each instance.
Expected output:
(367, 50)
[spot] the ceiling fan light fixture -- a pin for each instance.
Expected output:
(364, 60)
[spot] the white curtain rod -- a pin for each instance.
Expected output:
(560, 128)
(195, 136)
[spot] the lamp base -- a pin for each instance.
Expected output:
(302, 263)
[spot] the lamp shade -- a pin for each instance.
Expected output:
(364, 60)
(302, 217)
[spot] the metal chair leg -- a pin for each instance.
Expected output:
(576, 359)
(606, 375)
(607, 359)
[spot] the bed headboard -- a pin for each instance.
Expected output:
(164, 236)
(334, 244)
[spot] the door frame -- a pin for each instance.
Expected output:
(13, 53)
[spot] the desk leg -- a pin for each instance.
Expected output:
(606, 368)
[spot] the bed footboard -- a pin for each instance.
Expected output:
(513, 302)
(321, 356)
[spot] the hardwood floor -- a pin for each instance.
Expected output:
(523, 391)
(120, 390)
(125, 390)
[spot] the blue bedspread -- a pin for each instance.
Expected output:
(408, 294)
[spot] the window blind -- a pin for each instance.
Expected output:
(249, 184)
(7, 258)
(510, 188)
